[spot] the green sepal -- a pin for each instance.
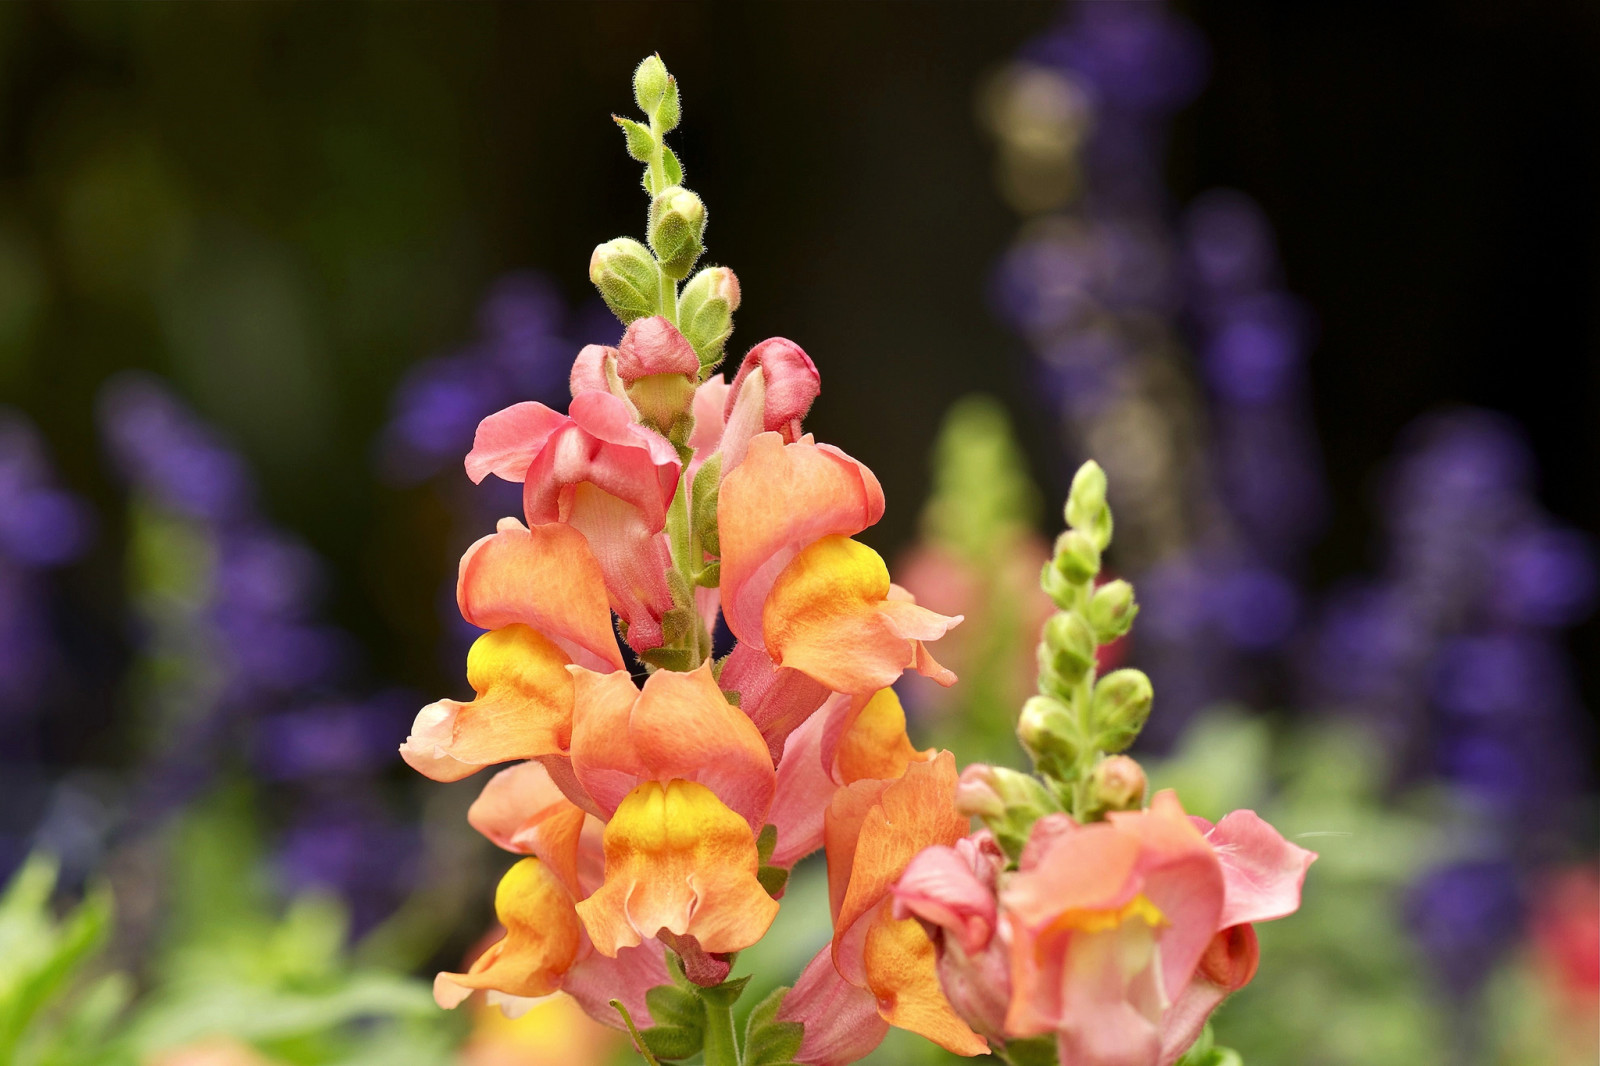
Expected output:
(773, 879)
(733, 698)
(670, 167)
(710, 577)
(670, 111)
(641, 145)
(766, 841)
(703, 506)
(674, 659)
(680, 1022)
(767, 1041)
(727, 993)
(1036, 1051)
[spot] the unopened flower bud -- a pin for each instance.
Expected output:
(677, 222)
(1008, 802)
(1047, 730)
(1117, 783)
(626, 275)
(1086, 504)
(589, 371)
(1077, 556)
(1111, 610)
(790, 380)
(705, 311)
(1121, 704)
(650, 84)
(654, 346)
(1067, 651)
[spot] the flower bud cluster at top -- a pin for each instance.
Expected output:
(675, 340)
(1079, 721)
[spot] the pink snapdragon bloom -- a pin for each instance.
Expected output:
(772, 392)
(1119, 937)
(608, 477)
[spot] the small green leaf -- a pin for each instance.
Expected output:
(675, 659)
(641, 145)
(680, 1019)
(767, 1041)
(671, 167)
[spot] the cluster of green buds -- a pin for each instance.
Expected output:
(638, 281)
(1080, 721)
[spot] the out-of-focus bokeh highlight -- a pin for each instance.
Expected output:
(262, 270)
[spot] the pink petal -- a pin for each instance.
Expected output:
(597, 980)
(941, 887)
(776, 699)
(841, 1021)
(633, 557)
(507, 441)
(654, 346)
(791, 379)
(602, 445)
(804, 790)
(1228, 965)
(589, 369)
(1262, 872)
(709, 400)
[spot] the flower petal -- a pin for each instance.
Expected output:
(546, 578)
(1229, 963)
(776, 503)
(507, 441)
(1262, 872)
(776, 699)
(901, 966)
(841, 1021)
(598, 979)
(874, 829)
(633, 557)
(522, 810)
(601, 444)
(679, 726)
(523, 709)
(654, 346)
(941, 887)
(829, 616)
(791, 379)
(678, 859)
(541, 942)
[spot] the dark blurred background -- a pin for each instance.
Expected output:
(281, 207)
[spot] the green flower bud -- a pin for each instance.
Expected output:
(1112, 610)
(627, 277)
(1086, 504)
(1007, 801)
(705, 311)
(1047, 730)
(1116, 783)
(1066, 653)
(650, 81)
(677, 221)
(1121, 705)
(1077, 557)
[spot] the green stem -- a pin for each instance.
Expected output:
(722, 1045)
(1083, 698)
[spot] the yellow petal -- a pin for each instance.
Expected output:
(523, 708)
(541, 942)
(678, 859)
(876, 745)
(830, 616)
(901, 966)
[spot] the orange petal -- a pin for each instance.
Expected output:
(901, 967)
(680, 726)
(678, 859)
(523, 709)
(911, 813)
(521, 809)
(546, 578)
(830, 616)
(876, 744)
(541, 942)
(779, 500)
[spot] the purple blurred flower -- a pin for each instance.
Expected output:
(161, 448)
(1465, 916)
